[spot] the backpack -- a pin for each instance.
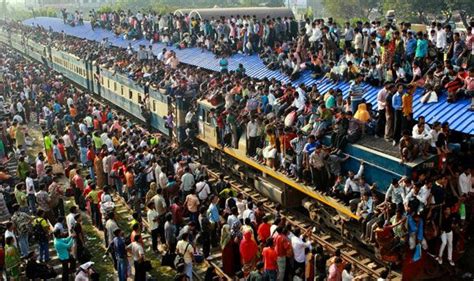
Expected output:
(39, 234)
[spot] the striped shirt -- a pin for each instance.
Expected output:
(357, 90)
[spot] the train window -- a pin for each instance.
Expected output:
(121, 90)
(154, 105)
(130, 94)
(139, 98)
(108, 83)
(115, 86)
(102, 80)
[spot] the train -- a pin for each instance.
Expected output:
(124, 93)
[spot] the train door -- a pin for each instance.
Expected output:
(97, 78)
(207, 123)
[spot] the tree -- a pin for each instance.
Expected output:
(348, 9)
(407, 9)
(465, 8)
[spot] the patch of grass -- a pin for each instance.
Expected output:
(95, 245)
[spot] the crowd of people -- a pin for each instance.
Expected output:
(92, 155)
(185, 211)
(438, 58)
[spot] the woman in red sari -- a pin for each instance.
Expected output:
(248, 253)
(227, 246)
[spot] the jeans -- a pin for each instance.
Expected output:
(119, 186)
(355, 104)
(32, 203)
(193, 217)
(122, 269)
(95, 216)
(84, 155)
(281, 262)
(188, 270)
(43, 250)
(270, 275)
(23, 243)
(91, 172)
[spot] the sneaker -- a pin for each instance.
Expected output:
(451, 263)
(394, 143)
(439, 260)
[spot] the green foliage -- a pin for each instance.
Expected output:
(275, 3)
(343, 10)
(309, 14)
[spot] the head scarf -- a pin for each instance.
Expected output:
(362, 114)
(248, 247)
(225, 235)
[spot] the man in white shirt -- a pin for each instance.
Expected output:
(153, 221)
(381, 103)
(70, 220)
(159, 202)
(440, 38)
(395, 192)
(465, 182)
(299, 245)
(351, 187)
(202, 189)
(187, 181)
(30, 192)
(252, 136)
(249, 213)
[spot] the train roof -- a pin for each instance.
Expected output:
(458, 115)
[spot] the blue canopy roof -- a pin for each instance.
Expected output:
(457, 114)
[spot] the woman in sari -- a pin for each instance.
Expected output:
(227, 246)
(12, 260)
(362, 114)
(248, 252)
(99, 171)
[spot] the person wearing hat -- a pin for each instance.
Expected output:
(84, 272)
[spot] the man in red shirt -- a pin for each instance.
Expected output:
(270, 257)
(79, 189)
(90, 155)
(263, 230)
(284, 251)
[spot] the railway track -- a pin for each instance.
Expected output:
(365, 267)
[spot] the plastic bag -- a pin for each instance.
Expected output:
(417, 253)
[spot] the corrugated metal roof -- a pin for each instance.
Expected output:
(457, 114)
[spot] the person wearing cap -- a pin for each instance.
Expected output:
(84, 272)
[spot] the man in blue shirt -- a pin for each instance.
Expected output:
(214, 218)
(120, 252)
(397, 118)
(415, 231)
(421, 46)
(410, 46)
